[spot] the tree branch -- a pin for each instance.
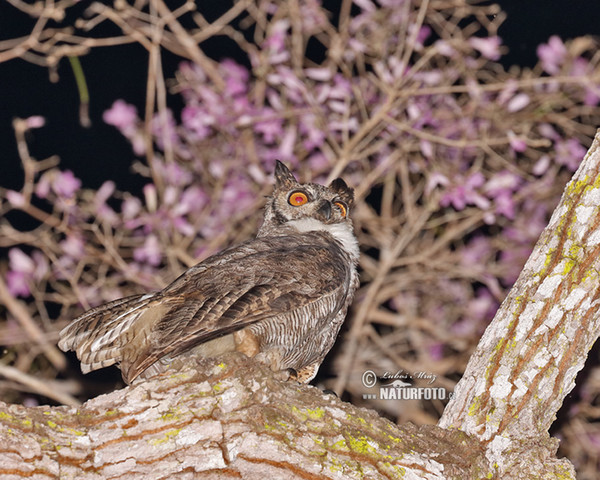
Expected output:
(527, 361)
(229, 418)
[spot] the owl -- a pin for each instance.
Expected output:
(280, 298)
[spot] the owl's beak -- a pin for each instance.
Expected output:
(325, 209)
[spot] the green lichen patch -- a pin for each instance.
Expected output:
(304, 414)
(171, 414)
(165, 438)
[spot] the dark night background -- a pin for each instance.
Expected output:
(101, 153)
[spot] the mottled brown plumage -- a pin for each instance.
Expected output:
(281, 297)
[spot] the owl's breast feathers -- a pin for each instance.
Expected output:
(276, 285)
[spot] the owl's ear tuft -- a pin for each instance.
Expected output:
(284, 179)
(345, 192)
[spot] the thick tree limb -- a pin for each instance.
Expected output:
(526, 362)
(231, 418)
(228, 419)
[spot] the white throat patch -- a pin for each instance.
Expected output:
(342, 232)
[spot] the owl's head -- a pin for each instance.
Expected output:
(306, 206)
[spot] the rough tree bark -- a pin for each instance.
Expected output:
(230, 418)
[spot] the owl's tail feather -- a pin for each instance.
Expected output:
(98, 335)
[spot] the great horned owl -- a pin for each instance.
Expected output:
(281, 297)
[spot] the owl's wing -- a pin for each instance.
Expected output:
(265, 278)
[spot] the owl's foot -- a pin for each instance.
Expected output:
(294, 375)
(307, 373)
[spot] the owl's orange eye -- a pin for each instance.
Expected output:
(297, 198)
(342, 207)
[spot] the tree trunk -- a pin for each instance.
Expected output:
(230, 418)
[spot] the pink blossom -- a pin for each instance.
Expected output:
(518, 102)
(546, 130)
(65, 184)
(318, 162)
(42, 188)
(192, 199)
(319, 74)
(295, 90)
(121, 115)
(170, 196)
(502, 182)
(286, 147)
(237, 196)
(131, 207)
(19, 261)
(445, 48)
(15, 198)
(505, 205)
(17, 284)
(366, 5)
(517, 144)
(312, 136)
(104, 192)
(483, 306)
(271, 129)
(175, 174)
(138, 142)
(436, 351)
(73, 246)
(423, 35)
(150, 252)
(489, 47)
(275, 101)
(508, 92)
(236, 77)
(349, 125)
(184, 227)
(435, 179)
(342, 87)
(569, 153)
(25, 271)
(529, 224)
(108, 215)
(35, 121)
(465, 193)
(512, 261)
(592, 96)
(426, 148)
(197, 121)
(430, 77)
(476, 251)
(581, 68)
(275, 45)
(552, 55)
(479, 311)
(541, 166)
(164, 128)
